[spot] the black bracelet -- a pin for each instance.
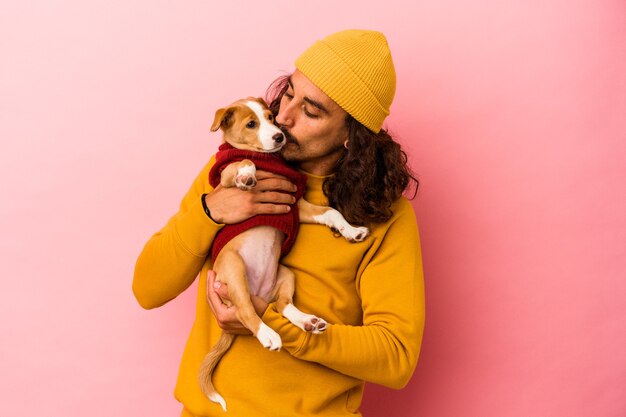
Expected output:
(206, 209)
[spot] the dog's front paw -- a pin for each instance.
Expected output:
(246, 176)
(354, 234)
(268, 338)
(245, 182)
(335, 220)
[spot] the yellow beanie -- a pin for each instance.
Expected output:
(354, 68)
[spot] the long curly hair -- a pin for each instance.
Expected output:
(370, 176)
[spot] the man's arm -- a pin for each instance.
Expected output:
(173, 256)
(385, 348)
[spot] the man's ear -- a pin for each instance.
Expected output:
(223, 118)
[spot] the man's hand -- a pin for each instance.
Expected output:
(227, 316)
(269, 196)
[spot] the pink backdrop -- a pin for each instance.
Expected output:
(513, 114)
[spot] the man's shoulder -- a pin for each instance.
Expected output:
(403, 215)
(402, 206)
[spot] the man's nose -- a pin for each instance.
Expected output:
(284, 116)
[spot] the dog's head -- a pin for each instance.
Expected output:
(249, 124)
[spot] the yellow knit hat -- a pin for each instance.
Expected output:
(354, 68)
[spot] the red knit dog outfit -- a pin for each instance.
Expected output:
(287, 223)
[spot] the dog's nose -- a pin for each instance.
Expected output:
(278, 138)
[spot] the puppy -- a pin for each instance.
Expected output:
(246, 256)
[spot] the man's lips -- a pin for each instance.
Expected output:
(288, 137)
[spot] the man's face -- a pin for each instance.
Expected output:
(315, 126)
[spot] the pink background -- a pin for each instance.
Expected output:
(513, 114)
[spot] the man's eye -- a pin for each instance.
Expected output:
(251, 124)
(311, 115)
(289, 96)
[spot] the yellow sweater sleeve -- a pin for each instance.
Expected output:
(173, 257)
(386, 347)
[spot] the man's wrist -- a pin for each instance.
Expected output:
(206, 208)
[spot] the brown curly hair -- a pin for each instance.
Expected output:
(370, 176)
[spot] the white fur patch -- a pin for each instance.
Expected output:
(248, 170)
(216, 398)
(332, 218)
(268, 337)
(266, 129)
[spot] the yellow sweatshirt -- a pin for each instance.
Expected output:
(371, 293)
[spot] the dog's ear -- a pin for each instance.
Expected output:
(223, 118)
(261, 101)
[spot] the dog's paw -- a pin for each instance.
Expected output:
(268, 338)
(245, 178)
(315, 325)
(245, 182)
(354, 234)
(311, 323)
(335, 220)
(307, 322)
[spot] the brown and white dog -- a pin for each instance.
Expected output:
(249, 261)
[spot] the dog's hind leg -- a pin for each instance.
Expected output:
(231, 269)
(285, 287)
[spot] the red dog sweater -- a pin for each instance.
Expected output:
(287, 223)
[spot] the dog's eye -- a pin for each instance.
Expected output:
(271, 118)
(251, 124)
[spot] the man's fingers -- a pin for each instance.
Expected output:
(271, 209)
(216, 291)
(275, 184)
(226, 316)
(212, 296)
(274, 198)
(261, 174)
(210, 279)
(221, 289)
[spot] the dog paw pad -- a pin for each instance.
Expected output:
(315, 325)
(355, 234)
(245, 182)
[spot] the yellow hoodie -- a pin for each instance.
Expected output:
(371, 293)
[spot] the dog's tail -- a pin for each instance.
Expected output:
(208, 366)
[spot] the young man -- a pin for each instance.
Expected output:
(371, 293)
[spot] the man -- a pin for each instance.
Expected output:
(371, 293)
